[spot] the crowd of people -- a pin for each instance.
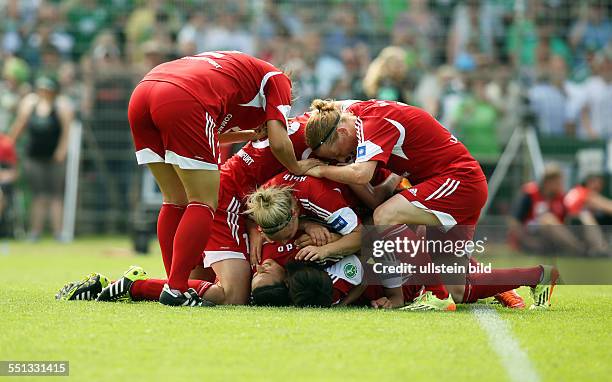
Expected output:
(471, 64)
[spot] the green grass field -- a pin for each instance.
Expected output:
(147, 341)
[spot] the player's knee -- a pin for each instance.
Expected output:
(235, 296)
(384, 215)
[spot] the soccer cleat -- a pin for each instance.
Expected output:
(173, 297)
(510, 299)
(428, 301)
(542, 292)
(120, 289)
(87, 288)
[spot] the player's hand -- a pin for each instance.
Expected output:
(312, 253)
(304, 241)
(306, 164)
(381, 303)
(319, 234)
(255, 244)
(315, 172)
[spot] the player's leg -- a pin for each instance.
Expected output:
(235, 280)
(399, 210)
(190, 142)
(202, 188)
(174, 204)
(227, 251)
(446, 202)
(150, 151)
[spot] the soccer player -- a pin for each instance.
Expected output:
(449, 187)
(176, 114)
(277, 206)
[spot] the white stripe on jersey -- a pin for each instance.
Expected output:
(320, 212)
(359, 128)
(439, 189)
(451, 190)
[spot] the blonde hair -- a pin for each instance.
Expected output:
(323, 119)
(271, 207)
(379, 68)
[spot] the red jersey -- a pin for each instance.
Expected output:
(410, 142)
(575, 199)
(321, 199)
(539, 204)
(255, 163)
(240, 92)
(345, 274)
(8, 154)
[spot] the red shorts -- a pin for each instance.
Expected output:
(228, 238)
(453, 200)
(170, 126)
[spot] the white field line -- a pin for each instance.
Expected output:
(514, 359)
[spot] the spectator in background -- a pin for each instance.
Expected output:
(13, 87)
(387, 76)
(466, 37)
(592, 31)
(548, 99)
(191, 38)
(344, 31)
(85, 19)
(8, 177)
(596, 122)
(71, 86)
(349, 86)
(537, 224)
(420, 29)
(227, 32)
(476, 119)
(587, 206)
(45, 118)
(313, 73)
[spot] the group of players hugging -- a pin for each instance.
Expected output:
(281, 222)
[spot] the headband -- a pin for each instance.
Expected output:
(329, 133)
(278, 227)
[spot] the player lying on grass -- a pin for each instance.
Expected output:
(449, 187)
(280, 280)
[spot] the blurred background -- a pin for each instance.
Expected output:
(521, 83)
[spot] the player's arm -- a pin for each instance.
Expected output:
(282, 148)
(237, 136)
(255, 242)
(373, 196)
(599, 203)
(346, 245)
(354, 173)
(353, 294)
(23, 114)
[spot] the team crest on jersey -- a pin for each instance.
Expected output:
(350, 270)
(361, 151)
(338, 224)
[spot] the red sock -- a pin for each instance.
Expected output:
(167, 222)
(483, 285)
(431, 281)
(189, 243)
(149, 290)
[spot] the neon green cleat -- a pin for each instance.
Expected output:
(120, 289)
(542, 292)
(88, 288)
(428, 301)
